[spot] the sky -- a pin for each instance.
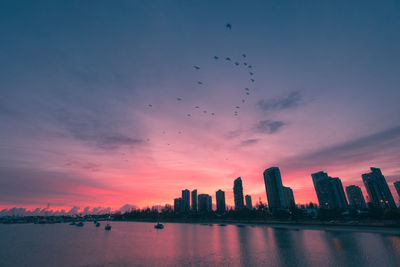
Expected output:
(98, 98)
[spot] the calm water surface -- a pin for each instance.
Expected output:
(139, 244)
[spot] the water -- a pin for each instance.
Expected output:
(139, 244)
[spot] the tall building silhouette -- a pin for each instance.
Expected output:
(289, 197)
(397, 186)
(220, 197)
(238, 194)
(329, 191)
(356, 197)
(194, 200)
(178, 204)
(204, 203)
(186, 199)
(249, 204)
(377, 189)
(274, 189)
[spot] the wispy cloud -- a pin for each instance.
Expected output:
(292, 100)
(268, 126)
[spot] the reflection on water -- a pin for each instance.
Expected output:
(140, 244)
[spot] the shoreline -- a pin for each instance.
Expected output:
(317, 226)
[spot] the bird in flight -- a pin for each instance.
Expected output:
(228, 58)
(243, 55)
(215, 57)
(249, 66)
(150, 105)
(199, 82)
(212, 113)
(204, 111)
(196, 67)
(247, 93)
(237, 107)
(179, 99)
(252, 80)
(189, 115)
(196, 107)
(229, 26)
(247, 89)
(245, 63)
(243, 100)
(237, 63)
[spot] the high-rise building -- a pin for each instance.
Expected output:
(204, 203)
(249, 204)
(397, 186)
(289, 197)
(356, 197)
(329, 191)
(238, 194)
(220, 197)
(377, 189)
(194, 200)
(178, 205)
(186, 199)
(274, 189)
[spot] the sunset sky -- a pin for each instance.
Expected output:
(89, 90)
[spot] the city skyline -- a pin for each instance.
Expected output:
(104, 105)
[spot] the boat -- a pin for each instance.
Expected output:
(97, 224)
(80, 224)
(108, 227)
(159, 226)
(72, 223)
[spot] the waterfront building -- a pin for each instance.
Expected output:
(377, 189)
(249, 204)
(289, 197)
(356, 197)
(204, 202)
(397, 186)
(329, 191)
(220, 198)
(238, 193)
(274, 189)
(186, 200)
(194, 200)
(178, 204)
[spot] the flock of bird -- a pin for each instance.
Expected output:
(246, 90)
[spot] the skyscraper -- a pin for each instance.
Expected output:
(178, 205)
(194, 200)
(397, 186)
(186, 199)
(329, 191)
(220, 197)
(289, 197)
(204, 203)
(274, 189)
(356, 197)
(377, 189)
(249, 204)
(238, 194)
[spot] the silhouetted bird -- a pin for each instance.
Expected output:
(179, 132)
(252, 80)
(199, 82)
(150, 105)
(251, 73)
(249, 66)
(196, 107)
(229, 26)
(237, 63)
(243, 101)
(247, 89)
(237, 107)
(212, 113)
(215, 57)
(147, 139)
(228, 58)
(204, 111)
(189, 115)
(163, 132)
(179, 99)
(245, 63)
(247, 93)
(196, 67)
(243, 55)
